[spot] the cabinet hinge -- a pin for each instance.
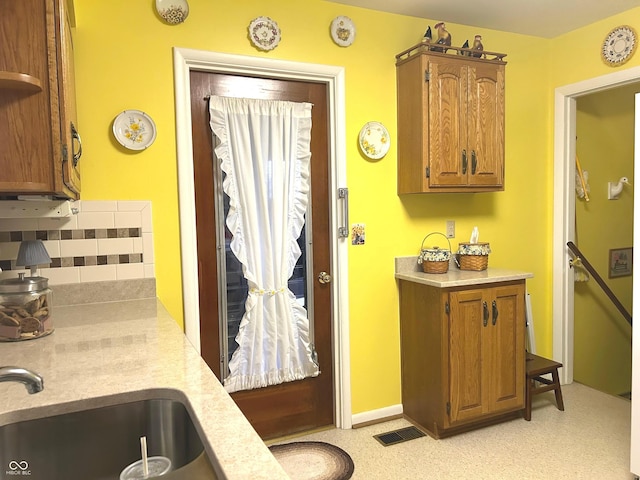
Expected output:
(446, 308)
(65, 152)
(427, 76)
(448, 408)
(427, 172)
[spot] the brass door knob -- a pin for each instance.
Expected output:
(324, 277)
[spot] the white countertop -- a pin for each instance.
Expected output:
(407, 268)
(110, 353)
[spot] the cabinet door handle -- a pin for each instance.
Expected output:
(464, 162)
(75, 136)
(485, 314)
(474, 162)
(494, 312)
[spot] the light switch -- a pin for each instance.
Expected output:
(451, 228)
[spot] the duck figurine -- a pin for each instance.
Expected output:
(615, 189)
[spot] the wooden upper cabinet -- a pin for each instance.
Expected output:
(39, 145)
(450, 121)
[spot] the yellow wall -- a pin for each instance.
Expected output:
(124, 61)
(605, 134)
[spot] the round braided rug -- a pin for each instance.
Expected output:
(313, 461)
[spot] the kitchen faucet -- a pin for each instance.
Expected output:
(32, 381)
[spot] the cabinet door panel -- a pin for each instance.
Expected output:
(486, 125)
(466, 351)
(447, 125)
(506, 375)
(68, 112)
(25, 157)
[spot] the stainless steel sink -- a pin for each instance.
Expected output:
(98, 444)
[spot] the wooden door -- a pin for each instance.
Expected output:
(26, 155)
(69, 136)
(467, 351)
(448, 155)
(486, 352)
(295, 406)
(506, 372)
(485, 116)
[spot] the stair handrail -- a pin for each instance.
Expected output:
(572, 246)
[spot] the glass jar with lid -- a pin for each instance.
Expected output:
(25, 308)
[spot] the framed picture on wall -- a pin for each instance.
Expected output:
(620, 262)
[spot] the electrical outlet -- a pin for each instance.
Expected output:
(451, 228)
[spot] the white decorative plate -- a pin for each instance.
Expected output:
(619, 45)
(374, 140)
(264, 33)
(134, 129)
(343, 31)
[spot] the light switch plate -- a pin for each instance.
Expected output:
(451, 228)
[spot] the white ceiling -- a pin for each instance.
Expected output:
(540, 18)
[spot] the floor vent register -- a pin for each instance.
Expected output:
(398, 436)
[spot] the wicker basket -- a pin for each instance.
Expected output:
(435, 267)
(474, 262)
(477, 260)
(435, 260)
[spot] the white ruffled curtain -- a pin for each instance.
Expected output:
(264, 150)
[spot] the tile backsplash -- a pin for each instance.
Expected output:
(105, 240)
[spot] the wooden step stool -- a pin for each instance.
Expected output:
(536, 367)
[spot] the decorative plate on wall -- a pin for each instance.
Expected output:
(619, 45)
(343, 31)
(264, 33)
(374, 140)
(134, 129)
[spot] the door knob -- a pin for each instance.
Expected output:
(324, 277)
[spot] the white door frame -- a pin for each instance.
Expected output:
(564, 207)
(185, 60)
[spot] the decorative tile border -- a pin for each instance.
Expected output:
(88, 233)
(104, 241)
(90, 260)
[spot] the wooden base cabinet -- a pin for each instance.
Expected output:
(40, 147)
(463, 355)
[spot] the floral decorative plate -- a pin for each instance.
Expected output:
(343, 31)
(134, 129)
(619, 45)
(264, 33)
(374, 140)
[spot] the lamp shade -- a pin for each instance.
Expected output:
(31, 254)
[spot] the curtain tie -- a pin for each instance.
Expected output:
(265, 291)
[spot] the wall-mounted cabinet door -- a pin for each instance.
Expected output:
(485, 115)
(69, 136)
(448, 135)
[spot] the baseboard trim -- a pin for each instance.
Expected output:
(376, 416)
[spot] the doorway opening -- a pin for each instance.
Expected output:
(564, 208)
